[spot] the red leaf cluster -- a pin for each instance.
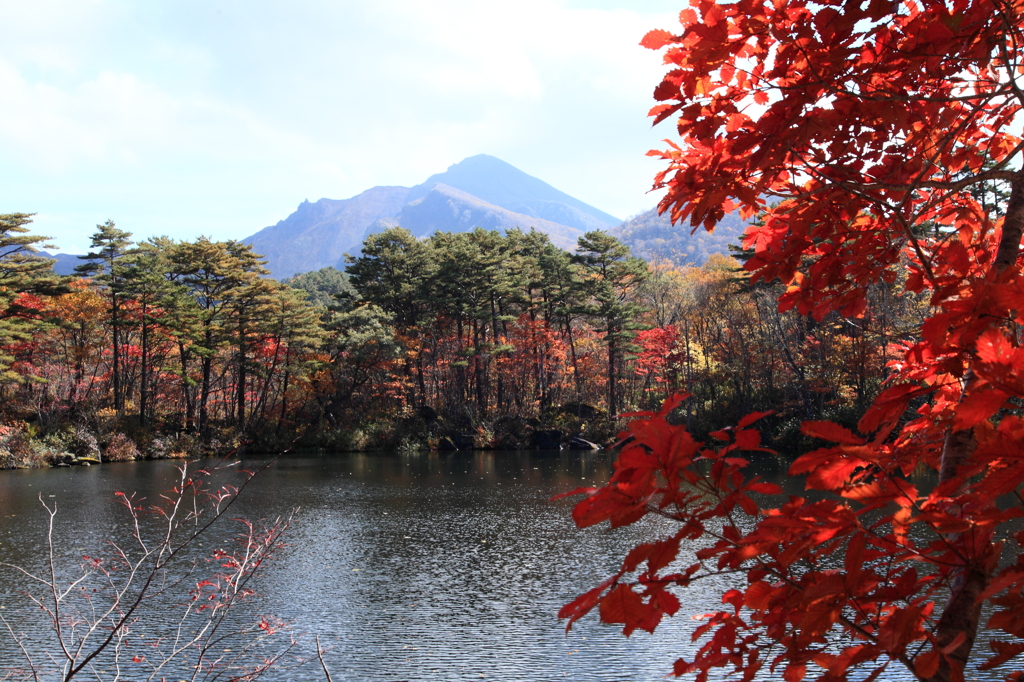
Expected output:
(867, 135)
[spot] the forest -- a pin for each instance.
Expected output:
(173, 348)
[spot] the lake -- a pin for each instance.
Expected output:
(425, 566)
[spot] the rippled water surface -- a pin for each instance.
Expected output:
(408, 567)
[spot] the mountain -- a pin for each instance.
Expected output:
(64, 263)
(481, 191)
(318, 235)
(653, 237)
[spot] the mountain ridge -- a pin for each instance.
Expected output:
(323, 231)
(63, 263)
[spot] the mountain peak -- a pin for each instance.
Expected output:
(484, 162)
(502, 184)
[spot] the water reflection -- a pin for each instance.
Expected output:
(409, 567)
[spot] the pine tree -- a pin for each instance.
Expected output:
(295, 328)
(362, 342)
(463, 282)
(212, 272)
(145, 282)
(611, 274)
(564, 299)
(251, 304)
(391, 273)
(103, 265)
(504, 274)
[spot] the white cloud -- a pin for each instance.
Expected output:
(219, 116)
(112, 118)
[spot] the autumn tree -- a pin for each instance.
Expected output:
(870, 124)
(74, 345)
(24, 273)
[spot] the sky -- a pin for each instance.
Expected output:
(218, 117)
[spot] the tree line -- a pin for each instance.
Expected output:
(478, 331)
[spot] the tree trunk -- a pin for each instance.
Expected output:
(499, 398)
(478, 371)
(204, 390)
(613, 405)
(461, 374)
(143, 373)
(963, 609)
(242, 379)
(284, 388)
(419, 375)
(538, 364)
(118, 403)
(410, 390)
(263, 399)
(689, 372)
(572, 353)
(284, 400)
(190, 408)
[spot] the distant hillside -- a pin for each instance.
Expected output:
(480, 191)
(653, 237)
(64, 263)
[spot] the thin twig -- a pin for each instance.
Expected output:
(323, 664)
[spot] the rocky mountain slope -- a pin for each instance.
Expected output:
(447, 209)
(319, 234)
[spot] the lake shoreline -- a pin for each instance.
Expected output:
(113, 438)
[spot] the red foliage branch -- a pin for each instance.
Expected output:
(659, 351)
(868, 563)
(876, 126)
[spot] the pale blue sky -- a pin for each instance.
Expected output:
(218, 117)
